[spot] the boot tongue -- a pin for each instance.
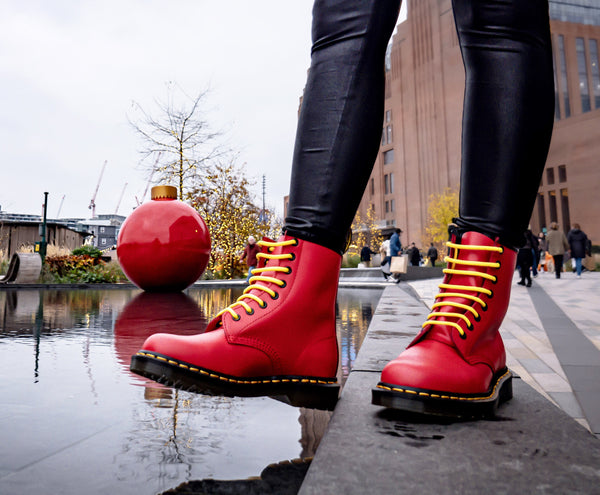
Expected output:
(444, 333)
(262, 263)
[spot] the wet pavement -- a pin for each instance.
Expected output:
(540, 442)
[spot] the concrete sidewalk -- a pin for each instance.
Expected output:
(552, 338)
(540, 441)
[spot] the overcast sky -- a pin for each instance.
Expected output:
(70, 69)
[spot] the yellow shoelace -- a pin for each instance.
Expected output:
(454, 262)
(257, 277)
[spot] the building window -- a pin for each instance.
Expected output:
(392, 205)
(541, 206)
(564, 207)
(563, 75)
(595, 64)
(562, 173)
(556, 102)
(102, 230)
(103, 241)
(372, 186)
(550, 176)
(387, 206)
(392, 184)
(386, 182)
(388, 157)
(584, 89)
(552, 205)
(383, 141)
(389, 134)
(388, 115)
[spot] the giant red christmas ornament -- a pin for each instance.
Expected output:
(164, 245)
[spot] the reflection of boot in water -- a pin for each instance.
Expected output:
(283, 478)
(278, 339)
(313, 423)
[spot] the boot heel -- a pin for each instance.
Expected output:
(506, 391)
(322, 397)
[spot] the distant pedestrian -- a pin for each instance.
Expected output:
(395, 244)
(432, 254)
(365, 255)
(524, 261)
(578, 242)
(250, 252)
(415, 255)
(557, 245)
(535, 250)
(386, 259)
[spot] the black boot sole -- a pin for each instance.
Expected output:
(298, 391)
(437, 403)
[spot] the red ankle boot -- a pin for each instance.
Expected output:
(456, 366)
(278, 338)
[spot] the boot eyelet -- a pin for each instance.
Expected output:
(276, 296)
(236, 319)
(495, 281)
(289, 270)
(477, 318)
(499, 264)
(295, 242)
(470, 326)
(282, 284)
(484, 307)
(491, 294)
(263, 305)
(463, 336)
(251, 312)
(292, 256)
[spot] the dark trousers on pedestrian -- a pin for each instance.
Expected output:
(558, 264)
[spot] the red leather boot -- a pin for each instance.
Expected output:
(456, 366)
(278, 338)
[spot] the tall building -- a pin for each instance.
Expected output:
(421, 133)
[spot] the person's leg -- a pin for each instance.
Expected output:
(339, 130)
(507, 125)
(279, 338)
(578, 266)
(558, 264)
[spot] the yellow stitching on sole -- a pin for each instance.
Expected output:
(232, 380)
(446, 396)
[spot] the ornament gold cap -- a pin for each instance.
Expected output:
(163, 192)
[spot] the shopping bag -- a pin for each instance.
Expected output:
(399, 264)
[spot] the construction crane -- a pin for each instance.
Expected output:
(60, 206)
(92, 205)
(120, 198)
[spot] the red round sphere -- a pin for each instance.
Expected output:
(164, 245)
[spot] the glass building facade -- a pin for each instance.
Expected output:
(577, 11)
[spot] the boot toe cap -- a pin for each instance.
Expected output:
(434, 366)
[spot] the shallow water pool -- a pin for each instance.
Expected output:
(74, 419)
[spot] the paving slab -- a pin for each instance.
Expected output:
(532, 446)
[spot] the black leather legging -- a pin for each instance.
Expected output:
(507, 118)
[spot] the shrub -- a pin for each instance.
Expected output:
(82, 269)
(90, 251)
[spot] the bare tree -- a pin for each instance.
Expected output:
(178, 139)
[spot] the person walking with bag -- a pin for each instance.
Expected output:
(557, 245)
(578, 242)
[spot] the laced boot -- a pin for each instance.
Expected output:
(278, 339)
(456, 366)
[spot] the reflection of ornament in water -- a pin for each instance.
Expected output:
(150, 313)
(164, 245)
